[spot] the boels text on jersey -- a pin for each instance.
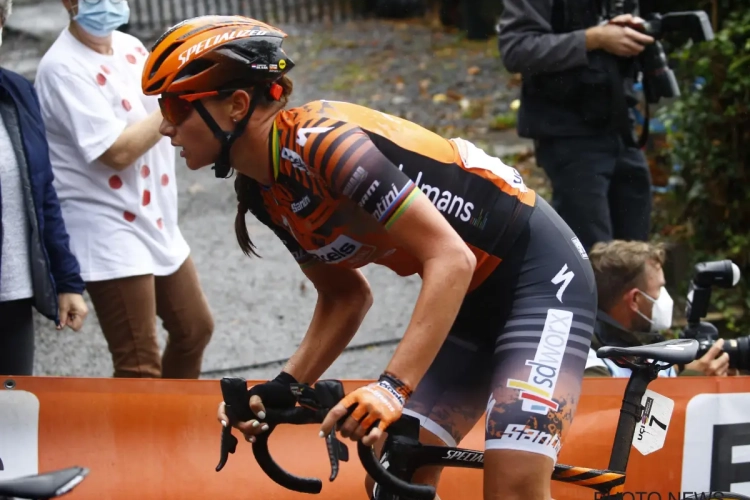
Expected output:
(341, 249)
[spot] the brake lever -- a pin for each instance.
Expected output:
(237, 406)
(308, 397)
(228, 445)
(237, 399)
(336, 451)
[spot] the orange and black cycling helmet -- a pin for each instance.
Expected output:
(213, 55)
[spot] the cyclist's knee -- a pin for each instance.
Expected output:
(516, 475)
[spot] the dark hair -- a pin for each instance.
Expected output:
(247, 194)
(247, 189)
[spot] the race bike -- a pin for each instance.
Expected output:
(403, 454)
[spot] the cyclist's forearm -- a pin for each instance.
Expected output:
(445, 281)
(335, 321)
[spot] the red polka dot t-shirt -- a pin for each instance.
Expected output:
(121, 223)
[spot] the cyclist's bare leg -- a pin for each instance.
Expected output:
(517, 475)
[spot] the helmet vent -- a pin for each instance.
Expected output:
(169, 32)
(162, 57)
(194, 68)
(154, 87)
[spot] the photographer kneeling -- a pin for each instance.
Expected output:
(634, 307)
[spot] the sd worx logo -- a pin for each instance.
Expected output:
(537, 390)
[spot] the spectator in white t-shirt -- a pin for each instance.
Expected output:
(115, 177)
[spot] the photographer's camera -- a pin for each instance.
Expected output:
(724, 274)
(658, 78)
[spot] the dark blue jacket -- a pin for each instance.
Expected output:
(55, 269)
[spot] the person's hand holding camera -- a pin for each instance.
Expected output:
(715, 363)
(620, 36)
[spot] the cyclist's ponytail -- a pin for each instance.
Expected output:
(243, 187)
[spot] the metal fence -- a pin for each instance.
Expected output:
(147, 15)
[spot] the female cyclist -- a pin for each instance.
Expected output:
(505, 315)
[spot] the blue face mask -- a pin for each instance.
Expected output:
(102, 18)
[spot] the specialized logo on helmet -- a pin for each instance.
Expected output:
(206, 44)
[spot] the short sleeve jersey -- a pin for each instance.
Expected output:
(343, 174)
(87, 100)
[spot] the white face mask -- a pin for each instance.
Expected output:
(661, 314)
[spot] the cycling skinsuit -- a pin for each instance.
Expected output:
(344, 173)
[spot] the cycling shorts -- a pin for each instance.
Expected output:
(518, 348)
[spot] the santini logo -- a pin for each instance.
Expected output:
(445, 201)
(301, 204)
(386, 201)
(537, 391)
(370, 191)
(340, 250)
(526, 435)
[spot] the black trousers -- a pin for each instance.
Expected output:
(601, 186)
(16, 338)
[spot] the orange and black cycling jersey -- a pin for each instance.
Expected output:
(329, 158)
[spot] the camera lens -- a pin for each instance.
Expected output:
(739, 352)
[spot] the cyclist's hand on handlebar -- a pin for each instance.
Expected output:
(379, 403)
(250, 428)
(276, 393)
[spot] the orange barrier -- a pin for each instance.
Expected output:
(159, 439)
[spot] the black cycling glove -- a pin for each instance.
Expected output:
(276, 393)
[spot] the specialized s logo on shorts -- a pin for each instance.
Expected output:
(565, 277)
(537, 391)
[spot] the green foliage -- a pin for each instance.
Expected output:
(710, 137)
